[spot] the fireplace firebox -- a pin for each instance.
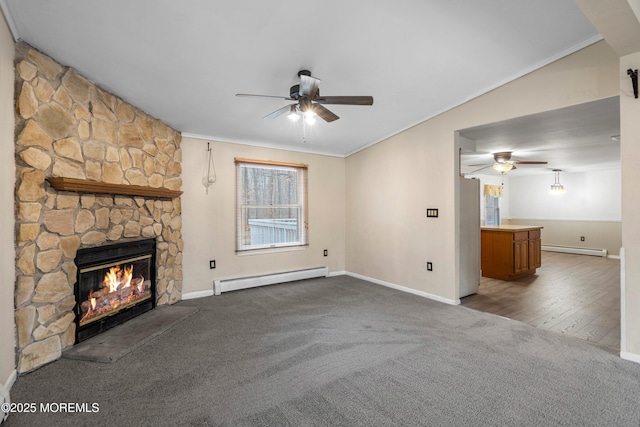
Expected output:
(115, 283)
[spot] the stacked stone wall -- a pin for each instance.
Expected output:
(66, 126)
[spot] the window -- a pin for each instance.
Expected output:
(271, 204)
(491, 210)
(492, 194)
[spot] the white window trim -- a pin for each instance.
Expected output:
(302, 221)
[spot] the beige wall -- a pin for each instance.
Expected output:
(390, 185)
(598, 234)
(209, 219)
(630, 157)
(7, 182)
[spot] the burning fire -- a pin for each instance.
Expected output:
(116, 278)
(119, 290)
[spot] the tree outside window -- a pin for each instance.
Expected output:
(271, 205)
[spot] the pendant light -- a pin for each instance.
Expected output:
(556, 187)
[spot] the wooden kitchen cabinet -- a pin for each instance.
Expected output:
(535, 249)
(508, 252)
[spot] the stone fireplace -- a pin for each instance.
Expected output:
(69, 129)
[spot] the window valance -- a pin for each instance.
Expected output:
(493, 190)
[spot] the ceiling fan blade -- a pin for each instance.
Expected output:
(345, 100)
(308, 86)
(530, 163)
(485, 166)
(279, 112)
(324, 113)
(477, 170)
(286, 98)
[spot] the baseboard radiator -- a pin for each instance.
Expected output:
(579, 251)
(220, 286)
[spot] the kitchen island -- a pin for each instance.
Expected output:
(509, 252)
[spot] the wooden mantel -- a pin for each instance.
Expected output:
(84, 186)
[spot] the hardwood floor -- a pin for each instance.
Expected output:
(577, 295)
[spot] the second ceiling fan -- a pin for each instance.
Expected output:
(309, 103)
(503, 163)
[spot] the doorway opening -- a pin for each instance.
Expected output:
(578, 295)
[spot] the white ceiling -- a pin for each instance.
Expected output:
(573, 139)
(184, 61)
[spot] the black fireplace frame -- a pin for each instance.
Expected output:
(99, 255)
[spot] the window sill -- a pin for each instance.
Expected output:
(271, 250)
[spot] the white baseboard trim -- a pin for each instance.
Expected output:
(630, 356)
(197, 294)
(273, 278)
(5, 396)
(12, 379)
(405, 289)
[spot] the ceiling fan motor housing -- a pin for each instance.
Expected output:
(294, 92)
(502, 157)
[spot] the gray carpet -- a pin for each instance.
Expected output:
(341, 351)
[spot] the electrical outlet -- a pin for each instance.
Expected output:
(429, 266)
(326, 252)
(582, 238)
(212, 264)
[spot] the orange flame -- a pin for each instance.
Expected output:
(118, 288)
(116, 278)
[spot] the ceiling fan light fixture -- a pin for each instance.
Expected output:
(293, 115)
(502, 167)
(556, 187)
(309, 117)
